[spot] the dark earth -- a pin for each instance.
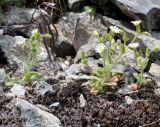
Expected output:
(106, 109)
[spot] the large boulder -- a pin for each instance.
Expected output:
(145, 10)
(35, 117)
(78, 28)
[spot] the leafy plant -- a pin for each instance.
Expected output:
(84, 58)
(107, 48)
(141, 61)
(34, 43)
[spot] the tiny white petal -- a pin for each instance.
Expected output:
(133, 45)
(114, 29)
(100, 48)
(136, 23)
(34, 31)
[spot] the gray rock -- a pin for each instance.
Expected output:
(36, 117)
(125, 90)
(78, 68)
(90, 52)
(82, 101)
(76, 5)
(127, 72)
(2, 81)
(128, 100)
(6, 41)
(56, 104)
(14, 2)
(145, 10)
(18, 90)
(155, 72)
(17, 16)
(79, 27)
(64, 48)
(82, 78)
(42, 88)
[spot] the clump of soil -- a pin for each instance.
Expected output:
(9, 117)
(106, 109)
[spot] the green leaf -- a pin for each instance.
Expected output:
(89, 9)
(123, 49)
(31, 76)
(146, 33)
(147, 52)
(137, 76)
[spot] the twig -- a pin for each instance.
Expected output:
(150, 123)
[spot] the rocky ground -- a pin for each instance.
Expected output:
(63, 96)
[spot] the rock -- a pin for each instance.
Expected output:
(145, 41)
(17, 16)
(125, 90)
(155, 72)
(78, 68)
(2, 81)
(127, 72)
(6, 41)
(14, 2)
(18, 90)
(56, 104)
(128, 100)
(79, 27)
(64, 48)
(82, 78)
(76, 5)
(42, 88)
(82, 101)
(145, 10)
(35, 117)
(90, 52)
(3, 58)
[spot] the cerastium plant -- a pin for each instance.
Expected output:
(142, 62)
(108, 47)
(34, 43)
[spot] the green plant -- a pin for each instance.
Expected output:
(84, 58)
(107, 48)
(34, 43)
(142, 62)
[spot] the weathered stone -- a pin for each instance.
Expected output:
(2, 81)
(145, 10)
(17, 16)
(82, 101)
(82, 78)
(155, 72)
(18, 90)
(43, 89)
(35, 117)
(76, 5)
(90, 52)
(125, 90)
(78, 68)
(79, 27)
(64, 48)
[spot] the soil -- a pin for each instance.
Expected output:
(9, 117)
(106, 109)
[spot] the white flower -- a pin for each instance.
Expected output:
(34, 31)
(114, 29)
(133, 45)
(100, 48)
(136, 23)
